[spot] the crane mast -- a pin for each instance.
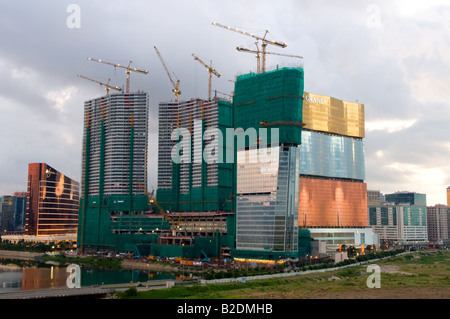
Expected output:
(176, 86)
(128, 70)
(211, 71)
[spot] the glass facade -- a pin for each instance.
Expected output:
(332, 203)
(53, 202)
(327, 114)
(410, 198)
(331, 156)
(267, 200)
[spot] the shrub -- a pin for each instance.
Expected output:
(130, 292)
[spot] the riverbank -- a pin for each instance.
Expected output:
(136, 264)
(130, 264)
(20, 255)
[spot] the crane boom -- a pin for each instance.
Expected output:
(106, 85)
(128, 70)
(263, 39)
(211, 71)
(176, 86)
(174, 225)
(257, 52)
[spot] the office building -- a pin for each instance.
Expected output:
(438, 218)
(52, 202)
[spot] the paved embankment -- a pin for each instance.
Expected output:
(93, 292)
(89, 292)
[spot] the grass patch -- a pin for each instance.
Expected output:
(319, 284)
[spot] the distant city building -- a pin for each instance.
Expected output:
(438, 223)
(411, 198)
(400, 223)
(7, 222)
(448, 196)
(20, 210)
(374, 198)
(52, 203)
(13, 218)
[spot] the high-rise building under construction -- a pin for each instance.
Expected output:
(195, 183)
(115, 149)
(269, 106)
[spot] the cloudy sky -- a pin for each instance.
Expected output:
(392, 56)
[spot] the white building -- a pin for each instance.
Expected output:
(401, 223)
(122, 162)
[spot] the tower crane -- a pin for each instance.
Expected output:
(106, 85)
(128, 70)
(176, 86)
(264, 42)
(257, 52)
(211, 71)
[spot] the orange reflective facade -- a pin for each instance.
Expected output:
(332, 203)
(52, 203)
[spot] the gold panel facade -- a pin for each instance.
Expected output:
(331, 115)
(332, 203)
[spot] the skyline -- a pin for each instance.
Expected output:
(388, 55)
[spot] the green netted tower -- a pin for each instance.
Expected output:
(113, 207)
(267, 192)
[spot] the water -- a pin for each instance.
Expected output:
(30, 275)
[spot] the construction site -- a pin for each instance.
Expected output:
(202, 210)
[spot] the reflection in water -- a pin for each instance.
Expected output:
(44, 276)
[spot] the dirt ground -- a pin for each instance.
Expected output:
(386, 293)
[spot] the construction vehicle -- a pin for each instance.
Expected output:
(264, 43)
(257, 52)
(128, 70)
(106, 85)
(211, 71)
(176, 86)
